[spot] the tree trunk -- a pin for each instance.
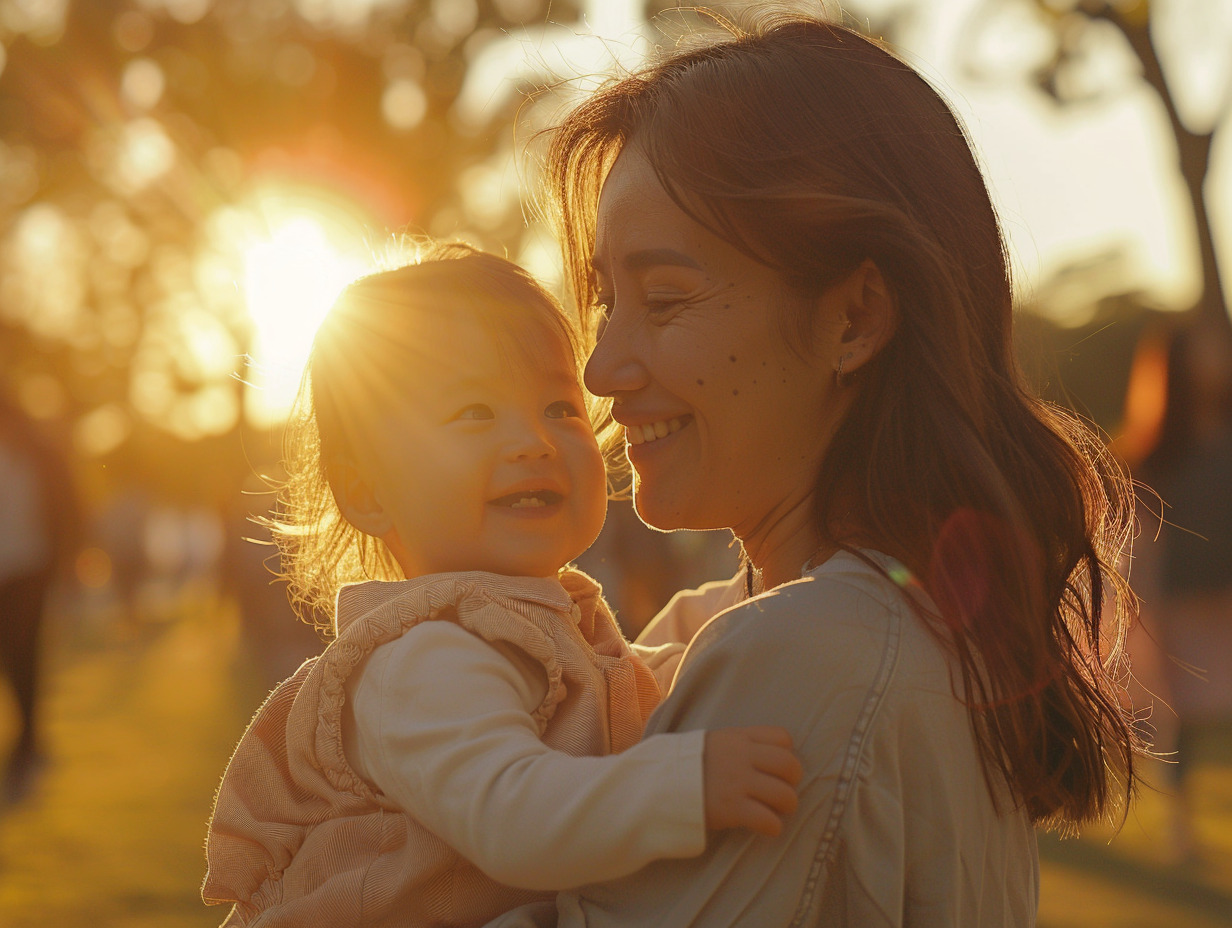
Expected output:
(1193, 155)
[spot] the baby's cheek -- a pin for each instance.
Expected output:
(591, 486)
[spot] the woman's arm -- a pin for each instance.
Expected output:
(682, 618)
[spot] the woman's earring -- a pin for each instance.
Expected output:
(838, 371)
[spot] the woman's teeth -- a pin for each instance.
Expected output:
(640, 434)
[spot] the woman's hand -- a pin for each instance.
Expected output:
(750, 777)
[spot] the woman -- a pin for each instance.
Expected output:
(804, 318)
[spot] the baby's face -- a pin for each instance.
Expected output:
(488, 462)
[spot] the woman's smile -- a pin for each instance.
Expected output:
(653, 431)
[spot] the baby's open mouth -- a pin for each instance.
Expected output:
(528, 499)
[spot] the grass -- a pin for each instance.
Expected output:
(140, 724)
(139, 731)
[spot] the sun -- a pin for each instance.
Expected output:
(297, 256)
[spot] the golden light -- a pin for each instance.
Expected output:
(297, 257)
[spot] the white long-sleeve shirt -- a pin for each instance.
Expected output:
(440, 721)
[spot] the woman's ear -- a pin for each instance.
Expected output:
(357, 497)
(867, 313)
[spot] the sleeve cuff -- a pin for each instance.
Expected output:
(683, 824)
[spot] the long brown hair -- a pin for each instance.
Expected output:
(812, 149)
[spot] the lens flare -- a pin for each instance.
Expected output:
(293, 269)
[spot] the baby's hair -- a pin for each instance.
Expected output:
(364, 351)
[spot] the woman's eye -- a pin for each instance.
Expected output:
(562, 409)
(655, 305)
(476, 411)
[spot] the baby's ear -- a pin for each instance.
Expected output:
(357, 497)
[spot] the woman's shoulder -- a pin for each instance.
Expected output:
(851, 621)
(845, 596)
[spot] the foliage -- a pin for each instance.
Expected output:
(136, 139)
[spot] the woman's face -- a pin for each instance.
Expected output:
(725, 425)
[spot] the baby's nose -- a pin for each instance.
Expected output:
(529, 444)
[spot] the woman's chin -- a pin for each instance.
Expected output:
(663, 511)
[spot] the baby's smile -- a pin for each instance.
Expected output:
(528, 499)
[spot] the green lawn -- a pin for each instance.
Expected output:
(141, 725)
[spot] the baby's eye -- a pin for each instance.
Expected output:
(476, 411)
(562, 409)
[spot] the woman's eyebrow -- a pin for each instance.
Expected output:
(653, 257)
(657, 257)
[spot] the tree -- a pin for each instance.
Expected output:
(131, 130)
(1072, 26)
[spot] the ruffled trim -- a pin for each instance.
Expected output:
(267, 895)
(479, 602)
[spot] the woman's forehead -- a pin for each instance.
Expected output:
(635, 212)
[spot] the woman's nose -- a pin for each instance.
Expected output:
(615, 366)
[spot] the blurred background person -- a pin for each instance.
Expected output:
(1183, 557)
(38, 529)
(275, 638)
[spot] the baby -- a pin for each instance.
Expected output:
(469, 740)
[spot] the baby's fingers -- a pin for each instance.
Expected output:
(778, 762)
(768, 734)
(760, 818)
(773, 793)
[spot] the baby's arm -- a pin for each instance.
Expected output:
(443, 728)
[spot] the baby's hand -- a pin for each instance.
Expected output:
(750, 777)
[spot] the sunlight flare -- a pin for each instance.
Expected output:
(292, 273)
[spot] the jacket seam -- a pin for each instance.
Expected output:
(847, 775)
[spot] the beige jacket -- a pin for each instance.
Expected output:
(299, 839)
(896, 826)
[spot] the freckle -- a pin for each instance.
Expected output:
(764, 363)
(735, 392)
(732, 358)
(754, 383)
(701, 383)
(727, 305)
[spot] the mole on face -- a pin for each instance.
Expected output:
(700, 382)
(732, 358)
(735, 392)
